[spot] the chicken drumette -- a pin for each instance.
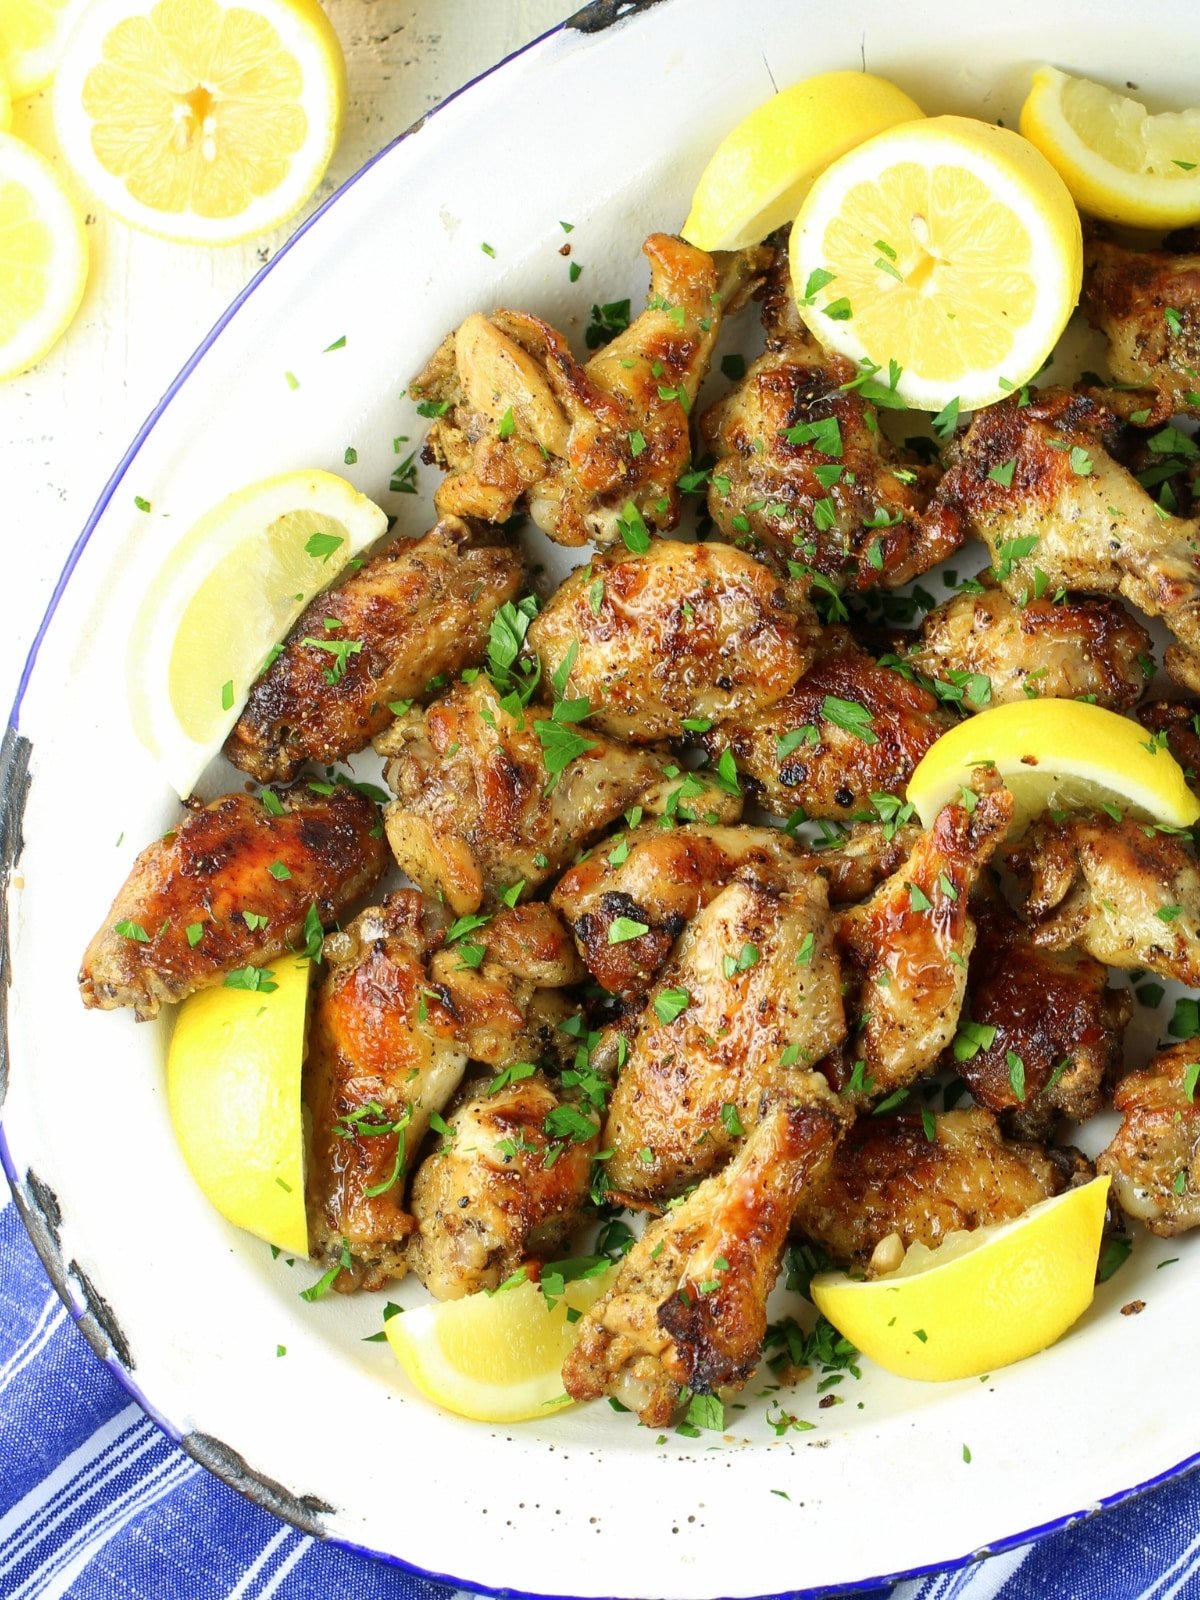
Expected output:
(521, 421)
(1147, 303)
(1154, 1158)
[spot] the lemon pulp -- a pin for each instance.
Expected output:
(32, 34)
(43, 256)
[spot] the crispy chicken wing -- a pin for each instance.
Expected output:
(1178, 723)
(382, 1056)
(751, 999)
(1123, 891)
(909, 944)
(849, 729)
(1037, 484)
(417, 612)
(890, 1181)
(679, 632)
(1154, 1158)
(1053, 1011)
(805, 472)
(525, 422)
(484, 799)
(505, 1184)
(1127, 293)
(228, 889)
(688, 1308)
(1058, 649)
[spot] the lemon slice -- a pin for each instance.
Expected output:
(233, 1091)
(981, 1300)
(762, 169)
(226, 593)
(494, 1357)
(200, 120)
(5, 104)
(949, 247)
(1062, 754)
(1118, 161)
(32, 35)
(43, 256)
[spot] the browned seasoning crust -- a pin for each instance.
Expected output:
(214, 870)
(1126, 294)
(1154, 1157)
(1178, 721)
(418, 612)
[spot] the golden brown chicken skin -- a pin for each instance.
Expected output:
(1125, 892)
(417, 612)
(849, 729)
(908, 946)
(677, 633)
(752, 998)
(805, 472)
(1154, 1158)
(382, 1057)
(227, 891)
(1053, 1026)
(1054, 648)
(892, 1184)
(1127, 295)
(1176, 723)
(1038, 485)
(688, 1308)
(508, 1183)
(526, 423)
(480, 808)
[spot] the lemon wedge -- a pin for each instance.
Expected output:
(763, 168)
(43, 256)
(494, 1357)
(5, 104)
(1120, 162)
(980, 1300)
(947, 252)
(1062, 754)
(226, 593)
(32, 35)
(233, 1091)
(199, 120)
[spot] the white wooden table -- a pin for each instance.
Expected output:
(65, 424)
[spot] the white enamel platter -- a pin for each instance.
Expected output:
(606, 126)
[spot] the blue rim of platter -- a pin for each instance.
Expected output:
(593, 17)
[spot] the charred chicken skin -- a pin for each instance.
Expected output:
(1154, 1159)
(416, 613)
(231, 887)
(1126, 294)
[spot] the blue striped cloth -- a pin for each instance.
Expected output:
(97, 1504)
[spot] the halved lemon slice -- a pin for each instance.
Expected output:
(947, 252)
(1120, 162)
(201, 120)
(763, 168)
(1058, 754)
(494, 1357)
(226, 593)
(233, 1089)
(32, 35)
(981, 1300)
(43, 256)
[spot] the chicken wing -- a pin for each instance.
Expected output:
(909, 944)
(1154, 1157)
(1147, 304)
(521, 421)
(1049, 1032)
(1037, 484)
(1126, 892)
(805, 472)
(1177, 724)
(994, 649)
(688, 1308)
(892, 1183)
(849, 729)
(676, 634)
(382, 1057)
(416, 613)
(752, 998)
(236, 884)
(509, 1181)
(489, 797)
